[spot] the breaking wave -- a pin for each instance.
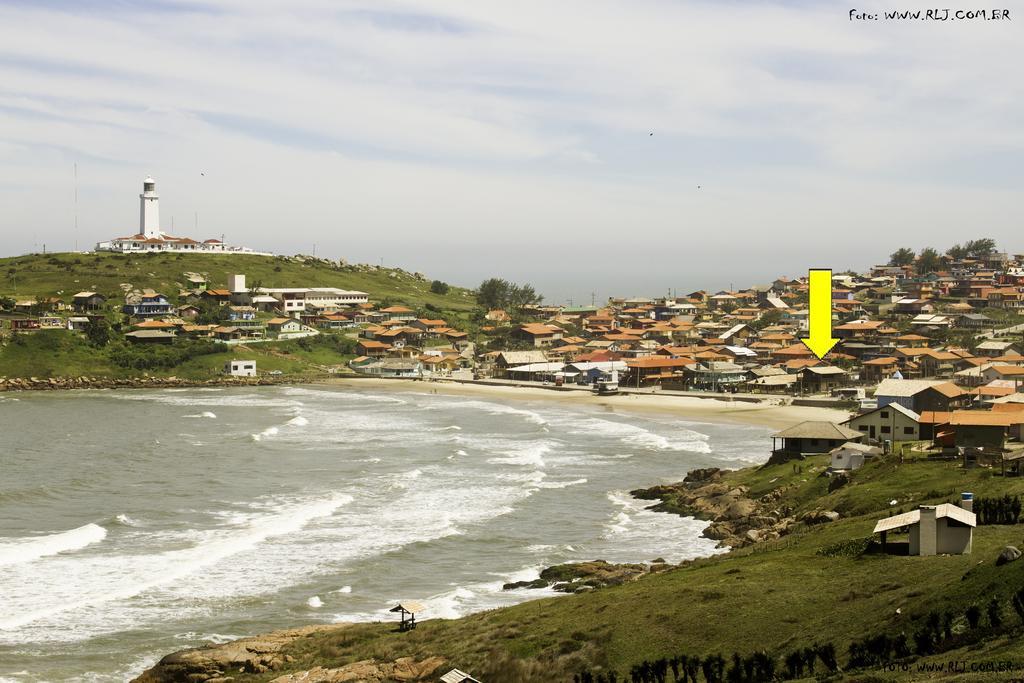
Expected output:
(20, 551)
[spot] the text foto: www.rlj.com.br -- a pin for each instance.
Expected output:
(937, 14)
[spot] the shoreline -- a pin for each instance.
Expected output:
(766, 413)
(760, 414)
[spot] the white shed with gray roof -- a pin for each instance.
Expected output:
(944, 529)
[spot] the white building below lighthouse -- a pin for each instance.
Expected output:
(151, 238)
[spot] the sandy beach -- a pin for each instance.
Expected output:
(712, 410)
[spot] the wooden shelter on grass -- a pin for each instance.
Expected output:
(456, 676)
(944, 529)
(410, 608)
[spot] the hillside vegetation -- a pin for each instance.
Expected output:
(64, 274)
(56, 353)
(813, 588)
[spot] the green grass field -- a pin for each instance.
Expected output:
(59, 353)
(777, 597)
(64, 274)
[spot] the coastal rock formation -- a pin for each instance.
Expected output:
(257, 654)
(368, 670)
(736, 519)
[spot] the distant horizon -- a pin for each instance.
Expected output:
(706, 144)
(734, 284)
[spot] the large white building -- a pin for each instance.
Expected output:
(151, 238)
(294, 300)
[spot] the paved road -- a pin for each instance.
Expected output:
(1006, 331)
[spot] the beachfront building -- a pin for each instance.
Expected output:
(891, 422)
(152, 239)
(921, 394)
(810, 437)
(240, 368)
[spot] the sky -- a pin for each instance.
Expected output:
(589, 147)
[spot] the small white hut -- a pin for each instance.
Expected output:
(944, 529)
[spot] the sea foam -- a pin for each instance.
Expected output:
(20, 551)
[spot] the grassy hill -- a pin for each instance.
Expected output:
(809, 588)
(60, 354)
(64, 274)
(65, 354)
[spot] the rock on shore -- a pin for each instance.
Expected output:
(736, 519)
(581, 577)
(267, 653)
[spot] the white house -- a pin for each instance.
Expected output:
(240, 368)
(293, 300)
(891, 422)
(851, 456)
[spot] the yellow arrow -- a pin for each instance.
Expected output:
(820, 340)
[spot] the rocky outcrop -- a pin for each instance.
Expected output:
(58, 383)
(736, 519)
(1008, 554)
(257, 654)
(264, 654)
(581, 577)
(368, 671)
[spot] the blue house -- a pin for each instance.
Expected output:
(148, 305)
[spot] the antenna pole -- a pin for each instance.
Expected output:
(76, 206)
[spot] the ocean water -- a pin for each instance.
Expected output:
(136, 523)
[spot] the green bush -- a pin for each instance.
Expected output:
(853, 547)
(151, 357)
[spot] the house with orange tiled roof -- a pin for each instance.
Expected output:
(791, 352)
(372, 348)
(402, 313)
(539, 334)
(1009, 373)
(654, 370)
(877, 369)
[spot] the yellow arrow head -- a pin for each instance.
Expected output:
(820, 346)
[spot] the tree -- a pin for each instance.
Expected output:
(901, 257)
(498, 293)
(439, 287)
(981, 247)
(928, 260)
(973, 616)
(97, 331)
(995, 618)
(957, 252)
(493, 293)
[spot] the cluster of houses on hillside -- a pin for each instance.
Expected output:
(391, 341)
(892, 323)
(240, 314)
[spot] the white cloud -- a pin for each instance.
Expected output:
(413, 126)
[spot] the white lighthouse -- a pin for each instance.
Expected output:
(149, 220)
